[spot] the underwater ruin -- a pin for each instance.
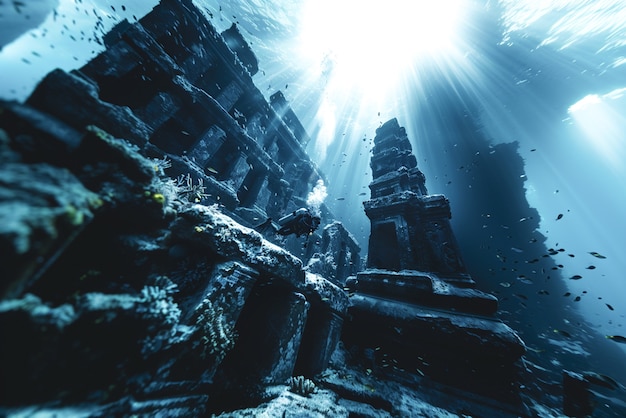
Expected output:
(144, 271)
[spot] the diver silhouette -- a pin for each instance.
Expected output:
(299, 222)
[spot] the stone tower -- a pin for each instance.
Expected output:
(410, 229)
(416, 306)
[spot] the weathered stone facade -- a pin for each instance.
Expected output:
(131, 270)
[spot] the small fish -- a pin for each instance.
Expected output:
(591, 267)
(566, 294)
(601, 380)
(559, 216)
(211, 170)
(543, 292)
(596, 254)
(341, 198)
(563, 333)
(576, 277)
(610, 307)
(577, 299)
(505, 284)
(617, 338)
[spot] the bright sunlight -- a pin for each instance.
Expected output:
(372, 42)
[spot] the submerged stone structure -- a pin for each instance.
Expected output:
(132, 273)
(142, 275)
(415, 302)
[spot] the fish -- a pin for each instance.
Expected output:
(566, 294)
(577, 299)
(596, 254)
(576, 277)
(610, 307)
(601, 380)
(563, 333)
(591, 267)
(559, 216)
(617, 338)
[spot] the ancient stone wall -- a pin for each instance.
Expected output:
(132, 275)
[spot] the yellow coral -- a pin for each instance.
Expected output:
(159, 198)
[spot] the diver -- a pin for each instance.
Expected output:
(299, 222)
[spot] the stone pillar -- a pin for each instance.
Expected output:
(329, 304)
(269, 332)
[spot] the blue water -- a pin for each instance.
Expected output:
(515, 109)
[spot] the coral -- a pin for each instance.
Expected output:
(216, 334)
(189, 191)
(156, 303)
(161, 164)
(301, 385)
